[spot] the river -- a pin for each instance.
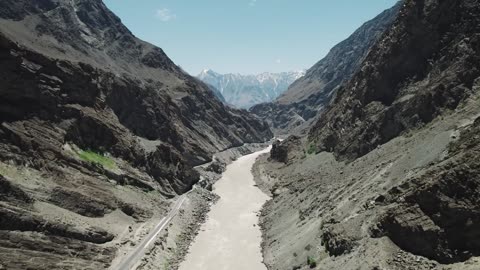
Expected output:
(230, 238)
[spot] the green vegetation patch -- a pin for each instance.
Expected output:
(97, 158)
(312, 263)
(312, 149)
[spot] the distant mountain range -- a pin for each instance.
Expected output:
(245, 91)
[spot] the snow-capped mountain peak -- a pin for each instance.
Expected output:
(245, 91)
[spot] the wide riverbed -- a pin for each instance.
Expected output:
(231, 237)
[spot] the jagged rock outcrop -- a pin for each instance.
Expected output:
(279, 152)
(309, 95)
(336, 239)
(92, 122)
(424, 64)
(439, 213)
(285, 151)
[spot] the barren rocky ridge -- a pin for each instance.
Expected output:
(385, 179)
(305, 100)
(98, 131)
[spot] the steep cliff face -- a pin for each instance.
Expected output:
(310, 94)
(95, 123)
(66, 58)
(388, 176)
(425, 64)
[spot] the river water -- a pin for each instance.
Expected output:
(230, 238)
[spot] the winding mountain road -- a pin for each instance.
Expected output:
(139, 251)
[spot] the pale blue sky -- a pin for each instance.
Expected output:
(245, 36)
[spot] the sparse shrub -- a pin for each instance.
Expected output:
(97, 158)
(312, 149)
(311, 262)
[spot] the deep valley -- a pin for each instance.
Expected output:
(113, 157)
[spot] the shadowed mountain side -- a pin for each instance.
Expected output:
(307, 97)
(388, 175)
(98, 129)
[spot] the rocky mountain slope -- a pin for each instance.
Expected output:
(217, 93)
(298, 107)
(245, 91)
(98, 129)
(388, 177)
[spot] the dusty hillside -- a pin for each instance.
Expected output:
(388, 177)
(98, 129)
(301, 104)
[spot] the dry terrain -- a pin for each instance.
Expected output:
(332, 211)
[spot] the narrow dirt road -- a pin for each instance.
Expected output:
(230, 239)
(139, 251)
